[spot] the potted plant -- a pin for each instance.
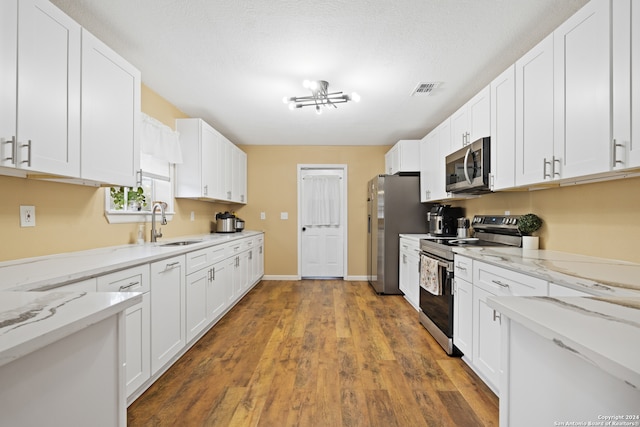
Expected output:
(135, 198)
(527, 225)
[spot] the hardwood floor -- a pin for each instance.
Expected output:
(317, 353)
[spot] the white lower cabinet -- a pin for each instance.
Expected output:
(196, 300)
(409, 274)
(138, 322)
(168, 332)
(463, 317)
(488, 281)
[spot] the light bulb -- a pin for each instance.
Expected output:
(306, 84)
(285, 100)
(355, 97)
(292, 105)
(313, 85)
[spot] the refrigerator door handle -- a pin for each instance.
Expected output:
(369, 224)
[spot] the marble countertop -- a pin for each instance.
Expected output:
(602, 330)
(597, 276)
(47, 272)
(415, 237)
(32, 320)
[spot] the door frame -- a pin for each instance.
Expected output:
(343, 212)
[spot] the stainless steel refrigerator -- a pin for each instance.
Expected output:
(393, 204)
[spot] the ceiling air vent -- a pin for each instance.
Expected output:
(425, 88)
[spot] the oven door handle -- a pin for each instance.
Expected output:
(444, 264)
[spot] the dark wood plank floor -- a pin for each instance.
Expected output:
(317, 353)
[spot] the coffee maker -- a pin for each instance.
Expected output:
(443, 220)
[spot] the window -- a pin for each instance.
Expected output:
(160, 149)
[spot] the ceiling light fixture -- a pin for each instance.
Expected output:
(320, 96)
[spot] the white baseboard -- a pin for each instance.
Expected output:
(278, 277)
(294, 277)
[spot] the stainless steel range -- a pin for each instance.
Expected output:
(436, 271)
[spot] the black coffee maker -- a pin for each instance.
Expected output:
(443, 220)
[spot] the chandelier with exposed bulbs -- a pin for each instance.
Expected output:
(320, 96)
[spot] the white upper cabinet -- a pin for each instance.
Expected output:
(503, 130)
(472, 121)
(41, 126)
(110, 115)
(213, 168)
(626, 84)
(534, 114)
(582, 80)
(433, 149)
(404, 156)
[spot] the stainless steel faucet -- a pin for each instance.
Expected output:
(157, 233)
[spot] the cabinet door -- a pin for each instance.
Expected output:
(626, 84)
(459, 128)
(196, 301)
(582, 92)
(110, 115)
(219, 290)
(503, 130)
(534, 114)
(427, 174)
(479, 112)
(486, 338)
(226, 168)
(8, 70)
(48, 116)
(463, 317)
(167, 310)
(138, 344)
(210, 146)
(239, 175)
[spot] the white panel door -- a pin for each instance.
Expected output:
(321, 239)
(8, 70)
(503, 131)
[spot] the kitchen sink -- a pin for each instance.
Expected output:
(181, 243)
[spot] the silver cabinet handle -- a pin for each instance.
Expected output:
(545, 175)
(130, 285)
(614, 154)
(171, 265)
(461, 267)
(497, 316)
(213, 274)
(553, 167)
(499, 283)
(206, 190)
(28, 161)
(13, 143)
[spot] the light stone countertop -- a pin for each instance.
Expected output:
(603, 331)
(598, 276)
(415, 237)
(47, 272)
(31, 320)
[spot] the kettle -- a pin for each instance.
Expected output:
(225, 222)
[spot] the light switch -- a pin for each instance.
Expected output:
(284, 215)
(263, 215)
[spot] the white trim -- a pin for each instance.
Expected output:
(344, 212)
(276, 277)
(355, 278)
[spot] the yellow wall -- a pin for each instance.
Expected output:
(599, 219)
(272, 188)
(71, 217)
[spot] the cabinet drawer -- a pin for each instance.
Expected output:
(500, 281)
(202, 258)
(463, 268)
(134, 279)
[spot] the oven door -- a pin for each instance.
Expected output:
(437, 310)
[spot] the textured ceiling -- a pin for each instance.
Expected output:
(231, 62)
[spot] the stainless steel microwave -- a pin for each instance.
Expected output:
(468, 169)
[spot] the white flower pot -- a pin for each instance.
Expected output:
(530, 242)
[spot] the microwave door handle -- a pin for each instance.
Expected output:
(466, 171)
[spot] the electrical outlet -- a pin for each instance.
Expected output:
(284, 215)
(193, 216)
(263, 215)
(27, 216)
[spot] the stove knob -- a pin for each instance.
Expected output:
(515, 221)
